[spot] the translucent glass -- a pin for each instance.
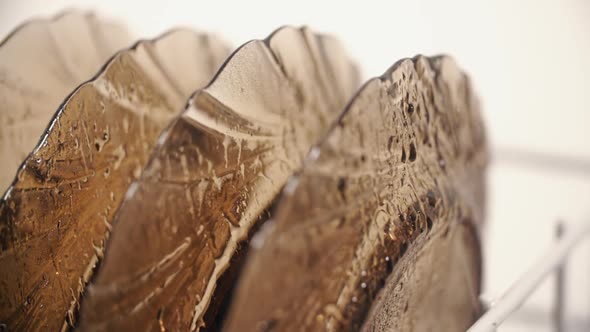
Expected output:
(178, 236)
(40, 63)
(380, 226)
(56, 217)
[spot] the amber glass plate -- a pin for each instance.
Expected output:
(214, 173)
(380, 226)
(55, 217)
(40, 63)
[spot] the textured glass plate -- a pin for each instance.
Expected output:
(54, 219)
(214, 173)
(40, 63)
(395, 189)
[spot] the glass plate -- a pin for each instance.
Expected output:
(40, 63)
(388, 203)
(58, 212)
(174, 248)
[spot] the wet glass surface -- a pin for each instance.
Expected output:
(40, 63)
(55, 218)
(211, 178)
(390, 200)
(378, 231)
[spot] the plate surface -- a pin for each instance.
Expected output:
(215, 172)
(56, 216)
(40, 63)
(400, 174)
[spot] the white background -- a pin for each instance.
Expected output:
(529, 61)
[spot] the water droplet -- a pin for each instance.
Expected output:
(291, 185)
(200, 230)
(226, 141)
(431, 198)
(119, 154)
(314, 153)
(342, 188)
(268, 325)
(125, 125)
(403, 248)
(137, 172)
(446, 232)
(390, 229)
(388, 264)
(412, 152)
(412, 217)
(429, 223)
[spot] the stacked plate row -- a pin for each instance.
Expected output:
(176, 185)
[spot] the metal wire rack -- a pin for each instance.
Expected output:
(553, 262)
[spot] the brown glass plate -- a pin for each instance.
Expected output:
(40, 63)
(388, 202)
(56, 215)
(214, 173)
